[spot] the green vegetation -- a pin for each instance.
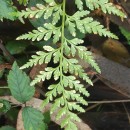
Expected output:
(67, 93)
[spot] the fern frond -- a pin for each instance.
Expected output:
(40, 10)
(70, 99)
(87, 25)
(87, 57)
(82, 53)
(36, 12)
(47, 74)
(105, 6)
(68, 121)
(40, 58)
(95, 27)
(66, 94)
(73, 83)
(42, 32)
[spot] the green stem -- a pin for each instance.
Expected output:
(62, 46)
(62, 40)
(63, 21)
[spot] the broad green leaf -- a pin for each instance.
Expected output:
(33, 119)
(19, 84)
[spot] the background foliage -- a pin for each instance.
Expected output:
(64, 33)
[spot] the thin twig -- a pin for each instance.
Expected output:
(92, 107)
(128, 114)
(111, 101)
(97, 103)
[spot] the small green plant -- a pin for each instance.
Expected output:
(19, 84)
(67, 93)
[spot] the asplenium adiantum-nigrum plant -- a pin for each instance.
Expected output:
(67, 93)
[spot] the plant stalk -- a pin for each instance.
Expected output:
(62, 39)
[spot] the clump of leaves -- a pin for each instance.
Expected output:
(67, 93)
(19, 84)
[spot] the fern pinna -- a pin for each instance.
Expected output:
(67, 93)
